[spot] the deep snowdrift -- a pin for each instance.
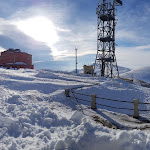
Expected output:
(35, 114)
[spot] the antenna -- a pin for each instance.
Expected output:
(106, 22)
(76, 63)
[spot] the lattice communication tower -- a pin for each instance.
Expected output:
(106, 22)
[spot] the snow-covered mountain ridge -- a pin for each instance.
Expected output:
(142, 74)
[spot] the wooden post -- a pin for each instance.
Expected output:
(93, 102)
(67, 92)
(136, 108)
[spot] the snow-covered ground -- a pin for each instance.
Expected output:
(35, 114)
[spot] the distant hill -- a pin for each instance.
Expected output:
(140, 74)
(120, 68)
(123, 69)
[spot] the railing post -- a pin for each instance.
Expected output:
(67, 92)
(93, 102)
(136, 108)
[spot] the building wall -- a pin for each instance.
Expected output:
(87, 69)
(10, 57)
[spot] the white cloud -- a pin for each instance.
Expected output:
(40, 29)
(145, 47)
(82, 35)
(65, 36)
(16, 39)
(126, 35)
(44, 24)
(62, 30)
(133, 57)
(2, 49)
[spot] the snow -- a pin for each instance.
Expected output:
(123, 69)
(35, 113)
(77, 117)
(139, 74)
(20, 63)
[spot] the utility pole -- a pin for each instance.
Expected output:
(76, 63)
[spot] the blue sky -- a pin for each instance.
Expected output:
(50, 30)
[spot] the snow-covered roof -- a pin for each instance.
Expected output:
(17, 63)
(20, 63)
